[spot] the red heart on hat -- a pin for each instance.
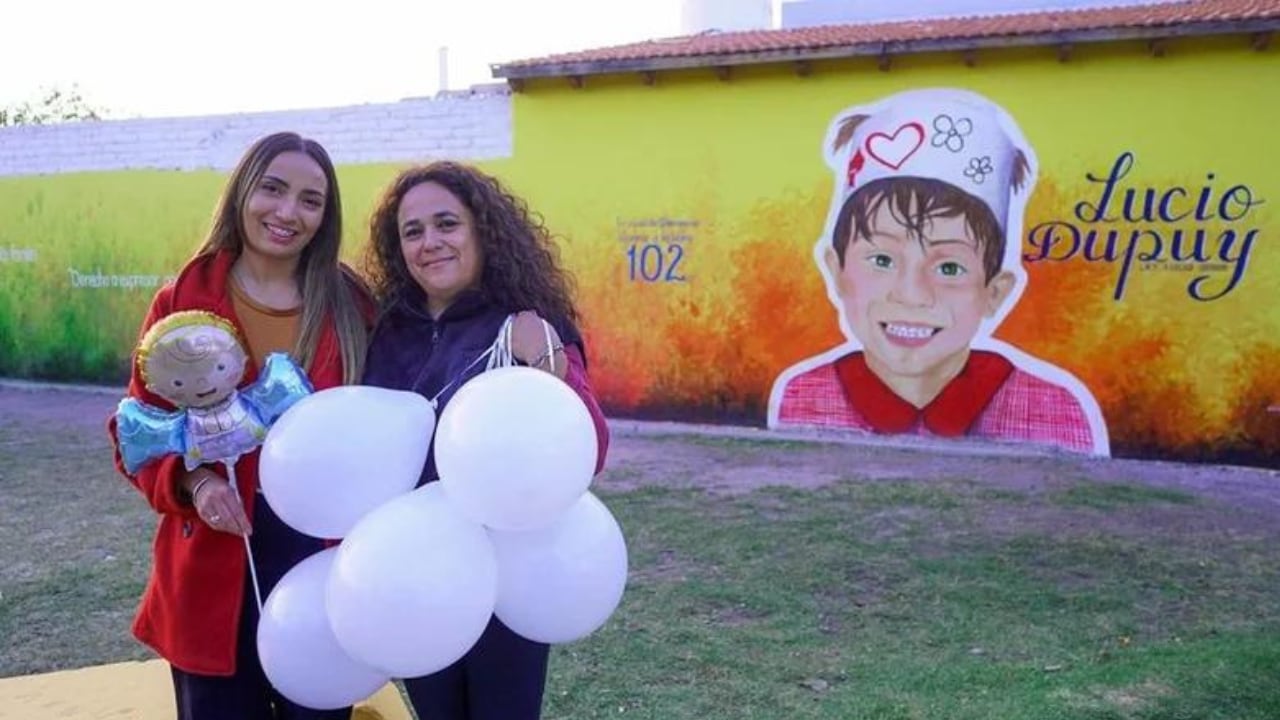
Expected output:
(893, 150)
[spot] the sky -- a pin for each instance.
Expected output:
(164, 58)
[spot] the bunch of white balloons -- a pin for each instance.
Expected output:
(510, 529)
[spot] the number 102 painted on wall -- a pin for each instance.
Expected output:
(655, 262)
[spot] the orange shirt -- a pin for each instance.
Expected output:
(266, 329)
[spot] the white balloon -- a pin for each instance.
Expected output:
(515, 447)
(338, 453)
(561, 583)
(298, 651)
(413, 586)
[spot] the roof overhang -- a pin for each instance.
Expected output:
(1260, 28)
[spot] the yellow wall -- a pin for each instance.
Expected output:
(1172, 374)
(736, 170)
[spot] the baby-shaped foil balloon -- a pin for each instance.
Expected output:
(193, 359)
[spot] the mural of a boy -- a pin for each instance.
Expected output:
(921, 258)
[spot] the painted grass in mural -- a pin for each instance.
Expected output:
(82, 255)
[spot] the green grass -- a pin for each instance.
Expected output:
(727, 616)
(1115, 495)
(893, 599)
(75, 541)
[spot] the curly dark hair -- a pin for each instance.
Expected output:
(521, 260)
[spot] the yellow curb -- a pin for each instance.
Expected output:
(133, 690)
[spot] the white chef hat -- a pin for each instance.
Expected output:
(953, 136)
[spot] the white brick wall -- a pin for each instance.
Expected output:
(468, 125)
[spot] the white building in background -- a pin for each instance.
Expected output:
(808, 13)
(697, 16)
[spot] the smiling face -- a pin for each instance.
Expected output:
(915, 300)
(285, 209)
(195, 366)
(439, 243)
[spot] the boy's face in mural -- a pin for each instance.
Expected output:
(916, 302)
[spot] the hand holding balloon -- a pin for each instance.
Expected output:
(536, 343)
(216, 502)
(194, 360)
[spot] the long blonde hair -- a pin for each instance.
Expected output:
(320, 277)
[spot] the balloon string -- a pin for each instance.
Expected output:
(486, 354)
(502, 355)
(551, 350)
(253, 570)
(499, 354)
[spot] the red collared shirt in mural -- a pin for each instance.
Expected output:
(989, 399)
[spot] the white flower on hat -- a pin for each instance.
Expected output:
(953, 136)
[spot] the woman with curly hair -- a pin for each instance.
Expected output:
(452, 255)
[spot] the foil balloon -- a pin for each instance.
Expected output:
(193, 359)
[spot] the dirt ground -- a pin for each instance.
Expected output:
(733, 460)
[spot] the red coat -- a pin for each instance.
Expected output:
(191, 607)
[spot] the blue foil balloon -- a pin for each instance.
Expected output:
(193, 359)
(280, 385)
(145, 432)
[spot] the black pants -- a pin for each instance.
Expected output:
(248, 695)
(500, 678)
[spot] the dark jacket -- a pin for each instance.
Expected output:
(411, 351)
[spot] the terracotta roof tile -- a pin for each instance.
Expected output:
(719, 45)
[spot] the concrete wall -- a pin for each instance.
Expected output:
(473, 124)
